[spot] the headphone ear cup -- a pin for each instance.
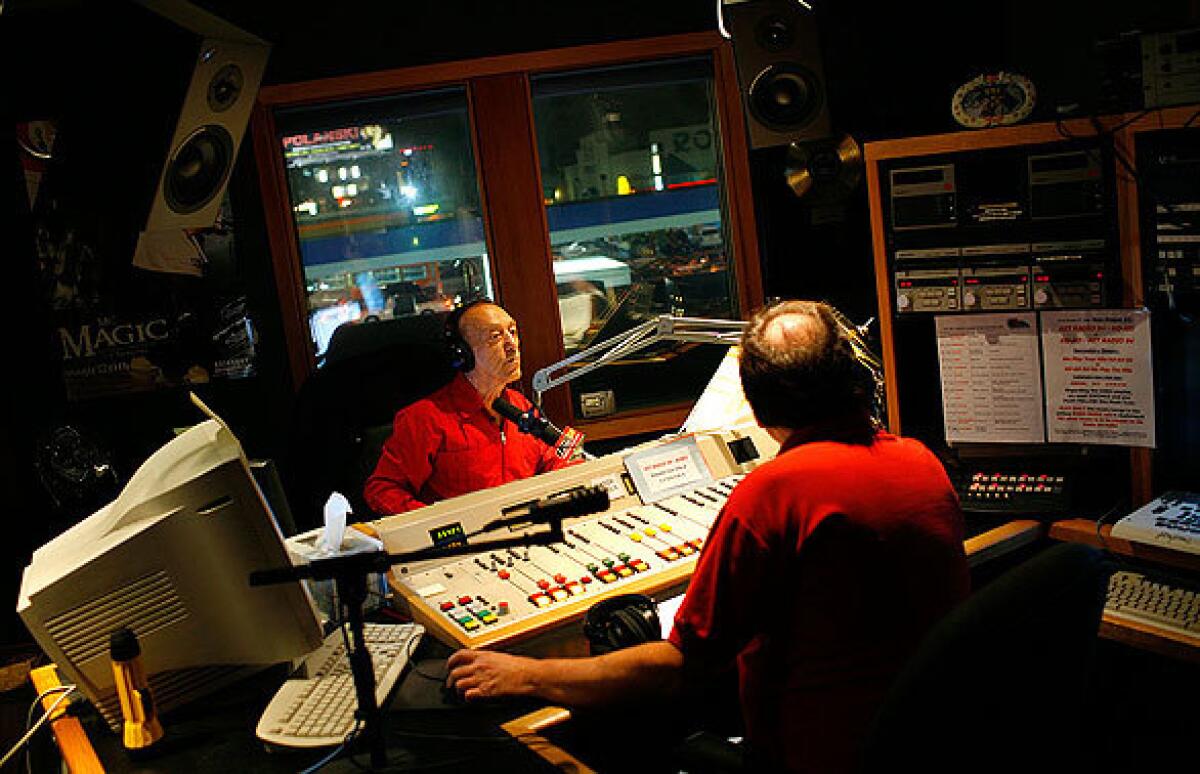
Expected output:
(461, 355)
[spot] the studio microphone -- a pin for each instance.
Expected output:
(142, 728)
(580, 501)
(564, 442)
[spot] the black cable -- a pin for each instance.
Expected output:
(413, 665)
(1100, 523)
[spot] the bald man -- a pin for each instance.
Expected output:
(816, 634)
(452, 442)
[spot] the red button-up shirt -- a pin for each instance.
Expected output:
(446, 445)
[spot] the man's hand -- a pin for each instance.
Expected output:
(485, 674)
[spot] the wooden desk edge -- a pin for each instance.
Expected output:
(526, 730)
(1084, 531)
(1001, 540)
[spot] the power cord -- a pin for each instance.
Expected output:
(65, 690)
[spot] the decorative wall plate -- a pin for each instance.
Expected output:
(996, 99)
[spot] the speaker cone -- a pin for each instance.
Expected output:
(784, 96)
(225, 88)
(196, 171)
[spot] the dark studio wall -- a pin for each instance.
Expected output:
(890, 71)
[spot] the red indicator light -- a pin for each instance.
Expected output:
(1042, 278)
(1099, 275)
(905, 283)
(972, 281)
(1024, 278)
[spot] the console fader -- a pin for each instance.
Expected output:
(646, 542)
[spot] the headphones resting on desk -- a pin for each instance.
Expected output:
(620, 622)
(462, 356)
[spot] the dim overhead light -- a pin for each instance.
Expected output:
(342, 173)
(322, 175)
(355, 172)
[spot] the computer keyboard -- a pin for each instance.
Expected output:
(1134, 597)
(316, 707)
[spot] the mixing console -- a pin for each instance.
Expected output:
(499, 589)
(664, 498)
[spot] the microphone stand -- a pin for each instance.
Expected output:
(350, 573)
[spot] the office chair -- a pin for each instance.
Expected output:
(1001, 683)
(344, 411)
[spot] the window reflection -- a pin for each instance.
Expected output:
(386, 207)
(630, 172)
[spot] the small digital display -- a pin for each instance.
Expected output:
(918, 176)
(448, 536)
(1058, 163)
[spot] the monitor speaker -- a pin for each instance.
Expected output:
(151, 101)
(778, 56)
(213, 114)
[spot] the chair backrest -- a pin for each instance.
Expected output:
(1001, 683)
(344, 411)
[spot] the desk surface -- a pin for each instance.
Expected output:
(422, 727)
(424, 731)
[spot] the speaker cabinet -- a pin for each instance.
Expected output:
(778, 54)
(151, 107)
(213, 115)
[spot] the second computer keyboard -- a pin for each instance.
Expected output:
(316, 707)
(1135, 597)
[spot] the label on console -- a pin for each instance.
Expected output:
(432, 590)
(664, 471)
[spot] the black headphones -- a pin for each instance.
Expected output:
(620, 622)
(462, 356)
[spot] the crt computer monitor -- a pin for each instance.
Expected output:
(170, 558)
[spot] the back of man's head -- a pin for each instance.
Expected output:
(799, 368)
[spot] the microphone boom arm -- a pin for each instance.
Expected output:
(665, 327)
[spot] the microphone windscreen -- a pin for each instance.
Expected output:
(578, 502)
(506, 410)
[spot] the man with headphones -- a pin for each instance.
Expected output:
(453, 442)
(824, 570)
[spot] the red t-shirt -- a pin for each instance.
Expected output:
(818, 635)
(446, 445)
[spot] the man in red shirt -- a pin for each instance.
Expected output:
(453, 442)
(817, 624)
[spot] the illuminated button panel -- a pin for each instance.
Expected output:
(1018, 491)
(492, 590)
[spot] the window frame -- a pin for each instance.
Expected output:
(504, 142)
